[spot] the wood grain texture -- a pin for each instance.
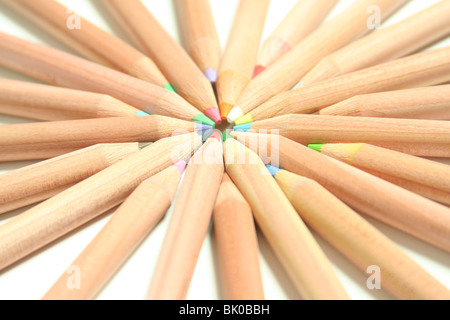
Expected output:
(367, 194)
(189, 224)
(44, 140)
(237, 244)
(88, 199)
(174, 62)
(43, 180)
(428, 178)
(428, 103)
(239, 58)
(302, 258)
(89, 40)
(66, 70)
(419, 70)
(44, 102)
(199, 33)
(287, 71)
(405, 37)
(358, 240)
(121, 236)
(427, 138)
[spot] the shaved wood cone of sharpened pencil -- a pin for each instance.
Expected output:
(246, 151)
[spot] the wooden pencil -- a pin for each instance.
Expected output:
(419, 70)
(358, 240)
(174, 62)
(121, 236)
(304, 261)
(189, 223)
(239, 59)
(41, 181)
(405, 37)
(45, 102)
(200, 36)
(428, 178)
(66, 70)
(88, 199)
(428, 103)
(304, 18)
(237, 244)
(287, 71)
(427, 138)
(44, 140)
(365, 193)
(88, 40)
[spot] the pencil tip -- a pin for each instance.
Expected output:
(202, 127)
(244, 119)
(258, 70)
(169, 87)
(225, 109)
(216, 135)
(211, 75)
(317, 147)
(243, 127)
(142, 114)
(214, 114)
(226, 178)
(234, 114)
(226, 136)
(181, 165)
(202, 119)
(273, 170)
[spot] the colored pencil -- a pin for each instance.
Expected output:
(174, 62)
(429, 103)
(40, 181)
(287, 71)
(45, 102)
(124, 232)
(66, 70)
(427, 138)
(88, 199)
(428, 178)
(44, 140)
(304, 18)
(189, 223)
(358, 240)
(302, 258)
(200, 36)
(395, 41)
(239, 59)
(419, 70)
(237, 244)
(365, 193)
(88, 40)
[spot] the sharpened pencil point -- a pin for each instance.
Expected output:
(245, 119)
(202, 127)
(216, 135)
(181, 165)
(226, 136)
(201, 118)
(234, 114)
(142, 114)
(258, 70)
(317, 147)
(211, 75)
(243, 127)
(214, 114)
(169, 87)
(273, 170)
(225, 109)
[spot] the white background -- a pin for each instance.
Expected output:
(32, 277)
